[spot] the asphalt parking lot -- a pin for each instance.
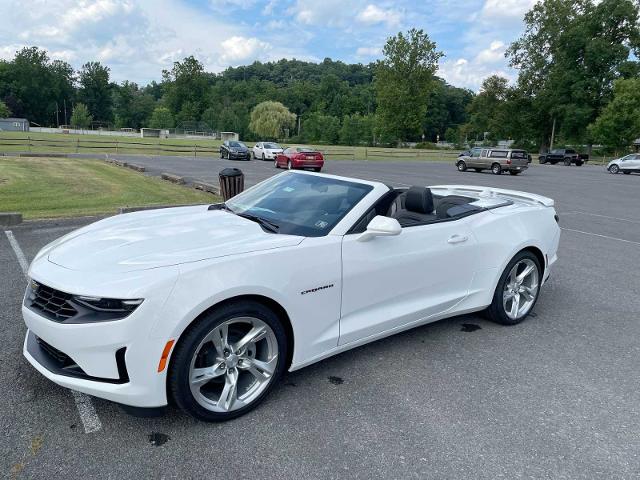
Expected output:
(554, 397)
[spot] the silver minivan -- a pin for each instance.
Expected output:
(497, 160)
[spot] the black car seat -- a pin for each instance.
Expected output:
(418, 207)
(447, 203)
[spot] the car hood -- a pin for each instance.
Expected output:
(158, 238)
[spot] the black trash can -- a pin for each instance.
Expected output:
(231, 182)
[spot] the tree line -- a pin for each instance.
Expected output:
(578, 79)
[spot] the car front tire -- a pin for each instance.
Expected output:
(614, 169)
(462, 166)
(517, 290)
(227, 362)
(289, 166)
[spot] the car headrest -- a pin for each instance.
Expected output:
(419, 200)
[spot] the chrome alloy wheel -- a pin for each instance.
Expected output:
(233, 364)
(521, 289)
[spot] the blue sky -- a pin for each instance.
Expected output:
(137, 39)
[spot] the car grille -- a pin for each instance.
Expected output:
(61, 358)
(53, 303)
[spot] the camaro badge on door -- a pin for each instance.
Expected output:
(312, 290)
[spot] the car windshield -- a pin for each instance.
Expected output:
(237, 144)
(271, 146)
(300, 204)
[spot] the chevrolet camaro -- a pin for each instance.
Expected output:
(209, 305)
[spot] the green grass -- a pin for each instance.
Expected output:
(60, 187)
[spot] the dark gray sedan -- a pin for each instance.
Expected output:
(234, 150)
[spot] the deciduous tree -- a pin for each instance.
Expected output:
(269, 120)
(403, 82)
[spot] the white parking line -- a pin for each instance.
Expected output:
(601, 216)
(87, 411)
(601, 236)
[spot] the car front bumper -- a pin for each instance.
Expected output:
(110, 361)
(239, 156)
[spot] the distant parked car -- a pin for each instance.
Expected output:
(266, 150)
(627, 164)
(234, 150)
(564, 155)
(497, 160)
(300, 157)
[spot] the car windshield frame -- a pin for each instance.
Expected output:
(334, 198)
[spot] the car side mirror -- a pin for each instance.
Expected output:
(380, 227)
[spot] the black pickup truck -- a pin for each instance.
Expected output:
(564, 155)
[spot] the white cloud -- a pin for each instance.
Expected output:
(502, 9)
(470, 73)
(372, 14)
(223, 5)
(493, 54)
(368, 51)
(237, 49)
(325, 12)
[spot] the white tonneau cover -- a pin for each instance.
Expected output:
(487, 193)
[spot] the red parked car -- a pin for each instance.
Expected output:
(300, 157)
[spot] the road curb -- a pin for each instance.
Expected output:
(206, 187)
(137, 168)
(170, 177)
(9, 219)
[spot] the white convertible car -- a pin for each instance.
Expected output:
(209, 305)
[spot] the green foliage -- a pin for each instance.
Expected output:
(357, 129)
(619, 123)
(568, 57)
(95, 90)
(269, 120)
(81, 118)
(186, 82)
(31, 84)
(487, 112)
(403, 82)
(132, 107)
(4, 110)
(320, 128)
(161, 118)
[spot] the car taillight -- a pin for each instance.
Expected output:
(509, 161)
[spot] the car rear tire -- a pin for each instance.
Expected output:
(567, 163)
(225, 363)
(517, 290)
(317, 169)
(542, 160)
(614, 169)
(462, 166)
(579, 163)
(496, 169)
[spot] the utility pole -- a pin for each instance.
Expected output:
(553, 133)
(57, 116)
(65, 110)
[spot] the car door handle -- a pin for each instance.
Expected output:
(457, 238)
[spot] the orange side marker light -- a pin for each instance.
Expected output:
(165, 355)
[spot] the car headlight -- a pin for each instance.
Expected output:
(68, 308)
